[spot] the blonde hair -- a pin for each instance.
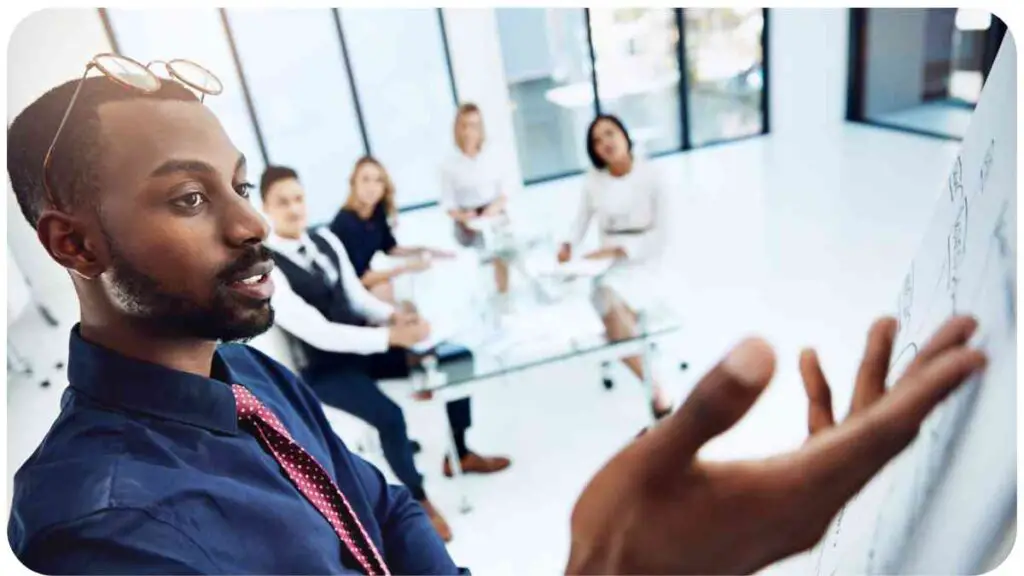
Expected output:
(390, 210)
(464, 109)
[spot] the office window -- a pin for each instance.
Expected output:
(636, 59)
(295, 71)
(945, 54)
(198, 35)
(547, 64)
(400, 70)
(725, 74)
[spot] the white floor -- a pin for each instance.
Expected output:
(802, 241)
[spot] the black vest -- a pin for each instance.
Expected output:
(330, 300)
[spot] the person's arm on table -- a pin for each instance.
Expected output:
(657, 508)
(497, 206)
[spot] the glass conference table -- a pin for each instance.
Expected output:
(546, 317)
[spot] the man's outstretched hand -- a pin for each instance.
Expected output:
(656, 508)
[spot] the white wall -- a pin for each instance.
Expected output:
(46, 49)
(479, 76)
(807, 70)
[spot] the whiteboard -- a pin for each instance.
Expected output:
(944, 505)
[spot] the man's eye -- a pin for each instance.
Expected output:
(244, 189)
(191, 201)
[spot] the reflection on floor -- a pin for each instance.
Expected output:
(803, 242)
(943, 118)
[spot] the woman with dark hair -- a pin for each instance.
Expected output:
(364, 225)
(625, 194)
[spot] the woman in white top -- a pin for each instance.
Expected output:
(472, 184)
(625, 194)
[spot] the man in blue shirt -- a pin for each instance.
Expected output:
(175, 455)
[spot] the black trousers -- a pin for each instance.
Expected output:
(348, 382)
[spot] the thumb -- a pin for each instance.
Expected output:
(718, 401)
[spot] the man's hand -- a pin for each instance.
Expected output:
(408, 334)
(656, 508)
(565, 253)
(406, 313)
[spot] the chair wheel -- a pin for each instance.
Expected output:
(45, 383)
(608, 384)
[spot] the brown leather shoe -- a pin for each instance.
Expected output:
(443, 530)
(474, 463)
(423, 395)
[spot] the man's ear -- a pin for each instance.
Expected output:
(66, 239)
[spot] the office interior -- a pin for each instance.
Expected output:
(798, 156)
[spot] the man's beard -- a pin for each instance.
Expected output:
(167, 313)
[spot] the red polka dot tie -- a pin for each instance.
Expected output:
(310, 478)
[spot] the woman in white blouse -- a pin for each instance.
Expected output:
(625, 194)
(473, 184)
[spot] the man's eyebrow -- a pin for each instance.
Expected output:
(176, 165)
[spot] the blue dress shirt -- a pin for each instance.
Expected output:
(146, 471)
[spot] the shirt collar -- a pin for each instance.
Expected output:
(138, 386)
(289, 246)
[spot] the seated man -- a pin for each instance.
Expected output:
(351, 338)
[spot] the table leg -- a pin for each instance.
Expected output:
(457, 476)
(646, 360)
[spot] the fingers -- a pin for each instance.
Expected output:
(920, 392)
(953, 332)
(870, 383)
(839, 462)
(819, 396)
(719, 400)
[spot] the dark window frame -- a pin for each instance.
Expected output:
(236, 59)
(686, 144)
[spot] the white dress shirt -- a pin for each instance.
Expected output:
(631, 212)
(305, 322)
(472, 182)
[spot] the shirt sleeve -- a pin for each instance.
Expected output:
(117, 541)
(388, 243)
(584, 212)
(362, 300)
(305, 322)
